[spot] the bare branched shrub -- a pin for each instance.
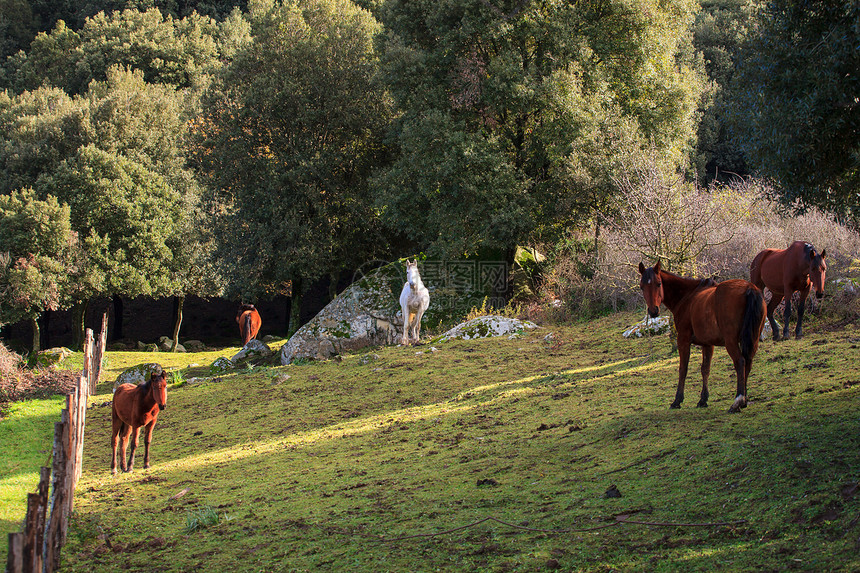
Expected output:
(664, 218)
(705, 233)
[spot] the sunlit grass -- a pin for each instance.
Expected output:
(316, 464)
(26, 440)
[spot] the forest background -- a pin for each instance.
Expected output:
(250, 149)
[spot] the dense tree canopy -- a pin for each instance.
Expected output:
(796, 110)
(115, 156)
(288, 142)
(178, 52)
(515, 86)
(297, 139)
(721, 28)
(36, 243)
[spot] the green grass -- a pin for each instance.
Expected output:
(26, 440)
(321, 469)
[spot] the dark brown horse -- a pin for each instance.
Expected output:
(784, 272)
(249, 322)
(730, 314)
(133, 407)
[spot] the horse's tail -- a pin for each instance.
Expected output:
(753, 316)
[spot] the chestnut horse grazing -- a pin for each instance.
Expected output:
(249, 322)
(730, 314)
(786, 271)
(133, 407)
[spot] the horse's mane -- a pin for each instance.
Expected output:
(687, 281)
(247, 306)
(144, 386)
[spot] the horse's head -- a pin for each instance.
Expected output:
(412, 276)
(242, 310)
(652, 288)
(817, 270)
(158, 388)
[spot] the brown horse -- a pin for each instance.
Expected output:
(249, 322)
(133, 407)
(730, 314)
(784, 272)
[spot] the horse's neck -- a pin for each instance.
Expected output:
(675, 288)
(145, 396)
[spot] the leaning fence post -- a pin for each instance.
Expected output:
(98, 355)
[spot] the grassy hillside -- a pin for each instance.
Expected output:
(323, 466)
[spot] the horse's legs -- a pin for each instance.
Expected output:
(117, 427)
(707, 354)
(134, 437)
(405, 340)
(787, 314)
(741, 369)
(801, 306)
(418, 316)
(123, 444)
(684, 355)
(147, 438)
(771, 306)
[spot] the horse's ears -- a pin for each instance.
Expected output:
(641, 268)
(657, 267)
(824, 253)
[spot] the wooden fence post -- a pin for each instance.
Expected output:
(88, 359)
(98, 355)
(37, 548)
(15, 558)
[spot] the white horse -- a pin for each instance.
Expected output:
(414, 300)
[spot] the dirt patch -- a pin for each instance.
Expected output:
(17, 384)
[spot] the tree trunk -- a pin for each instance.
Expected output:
(79, 314)
(45, 341)
(333, 278)
(34, 322)
(117, 317)
(180, 302)
(295, 306)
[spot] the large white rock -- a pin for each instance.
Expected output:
(648, 326)
(367, 313)
(485, 327)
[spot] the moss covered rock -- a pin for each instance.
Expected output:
(50, 358)
(485, 327)
(137, 374)
(368, 312)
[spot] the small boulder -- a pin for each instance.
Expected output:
(368, 358)
(167, 346)
(194, 346)
(648, 327)
(486, 327)
(51, 357)
(253, 349)
(222, 364)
